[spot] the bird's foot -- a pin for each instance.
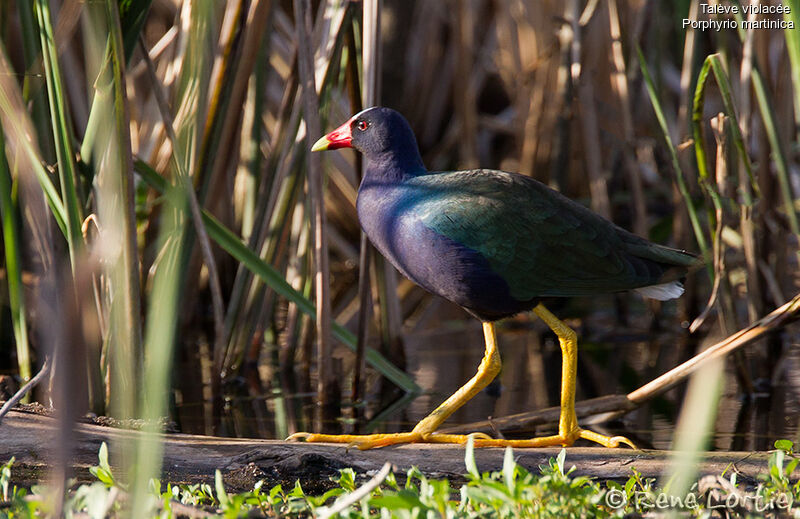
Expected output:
(372, 441)
(563, 440)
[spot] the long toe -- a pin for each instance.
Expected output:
(559, 440)
(373, 441)
(532, 443)
(607, 441)
(362, 441)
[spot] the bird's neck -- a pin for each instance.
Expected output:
(390, 167)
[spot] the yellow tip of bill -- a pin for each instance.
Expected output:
(321, 144)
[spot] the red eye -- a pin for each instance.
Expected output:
(362, 125)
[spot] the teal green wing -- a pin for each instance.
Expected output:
(540, 242)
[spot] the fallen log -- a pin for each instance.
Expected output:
(193, 459)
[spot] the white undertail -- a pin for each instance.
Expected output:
(662, 292)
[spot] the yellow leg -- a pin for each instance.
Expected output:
(568, 430)
(424, 430)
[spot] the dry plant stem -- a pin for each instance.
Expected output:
(463, 92)
(302, 15)
(721, 126)
(621, 86)
(687, 69)
(225, 64)
(255, 26)
(547, 416)
(717, 124)
(565, 88)
(365, 303)
(194, 206)
(772, 322)
(24, 390)
(365, 251)
(755, 302)
(724, 303)
(591, 136)
(588, 12)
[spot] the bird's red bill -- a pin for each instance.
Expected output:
(341, 137)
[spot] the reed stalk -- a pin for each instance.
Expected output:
(62, 134)
(13, 255)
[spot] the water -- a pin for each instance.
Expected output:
(758, 404)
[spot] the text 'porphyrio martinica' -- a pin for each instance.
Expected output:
(495, 243)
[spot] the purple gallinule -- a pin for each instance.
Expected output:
(496, 244)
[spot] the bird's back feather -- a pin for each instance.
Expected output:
(540, 242)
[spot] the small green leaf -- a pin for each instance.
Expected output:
(103, 457)
(222, 496)
(5, 478)
(790, 467)
(509, 466)
(404, 499)
(346, 479)
(560, 460)
(297, 491)
(274, 491)
(103, 471)
(784, 445)
(469, 458)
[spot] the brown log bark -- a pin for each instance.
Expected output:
(192, 459)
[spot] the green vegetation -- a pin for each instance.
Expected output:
(513, 492)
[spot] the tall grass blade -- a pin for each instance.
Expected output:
(159, 343)
(680, 180)
(695, 427)
(33, 90)
(778, 153)
(12, 247)
(132, 15)
(62, 133)
(697, 131)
